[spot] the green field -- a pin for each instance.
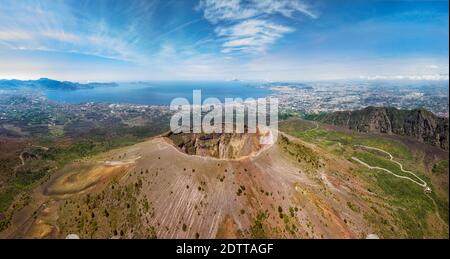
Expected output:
(325, 137)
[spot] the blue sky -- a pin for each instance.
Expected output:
(223, 39)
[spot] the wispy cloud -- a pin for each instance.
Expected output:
(232, 10)
(48, 26)
(14, 35)
(245, 26)
(253, 35)
(434, 77)
(89, 44)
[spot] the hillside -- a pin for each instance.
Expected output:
(292, 189)
(419, 123)
(50, 84)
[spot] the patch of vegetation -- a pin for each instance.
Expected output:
(354, 207)
(314, 116)
(380, 161)
(241, 190)
(301, 152)
(292, 125)
(285, 115)
(258, 230)
(326, 138)
(33, 172)
(6, 197)
(440, 167)
(25, 179)
(115, 211)
(289, 224)
(413, 206)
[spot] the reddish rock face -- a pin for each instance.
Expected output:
(218, 145)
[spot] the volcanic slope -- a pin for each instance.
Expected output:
(155, 189)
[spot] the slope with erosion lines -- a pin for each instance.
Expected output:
(166, 193)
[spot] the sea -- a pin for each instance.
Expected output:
(159, 93)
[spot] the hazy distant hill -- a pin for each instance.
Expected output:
(45, 83)
(419, 123)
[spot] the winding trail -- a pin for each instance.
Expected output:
(41, 147)
(22, 160)
(437, 210)
(315, 128)
(421, 182)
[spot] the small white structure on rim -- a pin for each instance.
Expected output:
(427, 189)
(372, 236)
(72, 236)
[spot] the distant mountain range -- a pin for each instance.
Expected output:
(419, 123)
(45, 83)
